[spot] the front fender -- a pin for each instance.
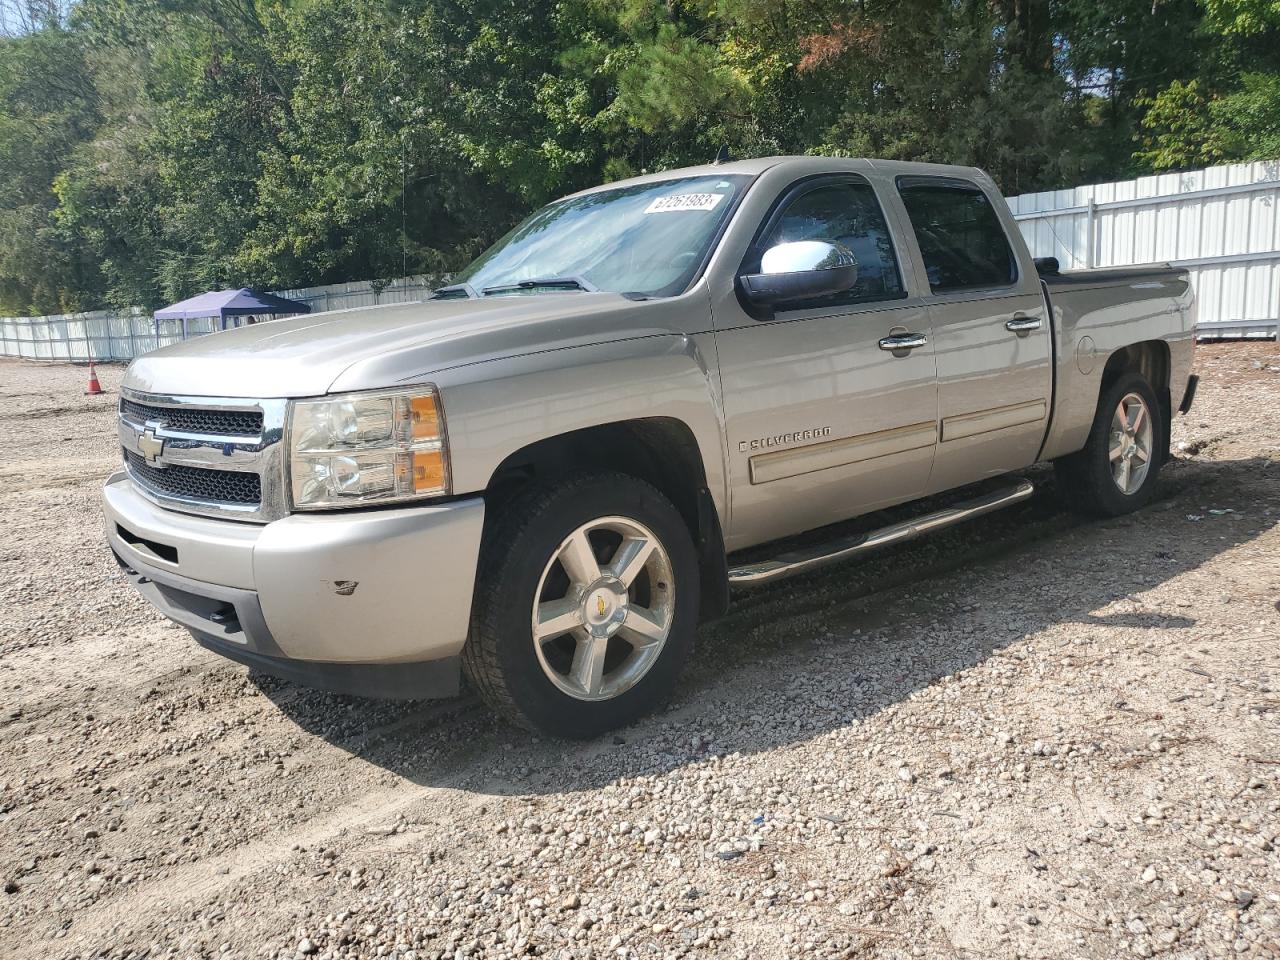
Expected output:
(496, 408)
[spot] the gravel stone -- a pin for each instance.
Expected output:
(1086, 713)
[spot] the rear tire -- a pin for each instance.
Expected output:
(1116, 471)
(585, 608)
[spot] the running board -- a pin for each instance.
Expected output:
(833, 551)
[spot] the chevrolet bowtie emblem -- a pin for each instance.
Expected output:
(149, 445)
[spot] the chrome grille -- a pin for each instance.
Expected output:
(192, 483)
(220, 457)
(227, 423)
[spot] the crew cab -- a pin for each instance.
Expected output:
(543, 477)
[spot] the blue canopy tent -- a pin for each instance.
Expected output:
(224, 304)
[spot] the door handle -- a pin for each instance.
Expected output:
(1022, 325)
(903, 342)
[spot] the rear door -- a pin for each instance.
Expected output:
(822, 421)
(992, 335)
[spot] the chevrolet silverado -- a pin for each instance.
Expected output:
(547, 474)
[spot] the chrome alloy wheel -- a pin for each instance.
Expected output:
(1131, 443)
(600, 625)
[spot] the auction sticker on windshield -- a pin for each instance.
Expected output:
(685, 201)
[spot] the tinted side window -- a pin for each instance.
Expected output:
(842, 212)
(960, 236)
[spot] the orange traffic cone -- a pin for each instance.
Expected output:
(95, 387)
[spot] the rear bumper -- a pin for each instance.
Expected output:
(369, 602)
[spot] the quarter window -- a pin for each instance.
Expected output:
(960, 236)
(844, 212)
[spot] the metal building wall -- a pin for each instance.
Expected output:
(1220, 223)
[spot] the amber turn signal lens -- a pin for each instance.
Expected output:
(428, 471)
(425, 417)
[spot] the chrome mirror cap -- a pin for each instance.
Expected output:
(801, 270)
(801, 256)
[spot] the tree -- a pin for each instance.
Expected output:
(153, 148)
(47, 108)
(1181, 131)
(1243, 17)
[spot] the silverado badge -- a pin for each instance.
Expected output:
(783, 439)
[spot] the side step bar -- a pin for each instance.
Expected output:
(823, 554)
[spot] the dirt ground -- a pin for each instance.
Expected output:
(1033, 736)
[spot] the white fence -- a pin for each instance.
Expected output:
(339, 296)
(124, 334)
(1222, 224)
(100, 335)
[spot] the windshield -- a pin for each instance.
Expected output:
(648, 240)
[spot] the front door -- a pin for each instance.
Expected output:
(822, 421)
(991, 329)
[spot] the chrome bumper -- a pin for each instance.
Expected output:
(347, 590)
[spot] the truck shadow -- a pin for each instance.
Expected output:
(801, 658)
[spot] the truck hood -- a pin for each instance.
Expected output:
(372, 347)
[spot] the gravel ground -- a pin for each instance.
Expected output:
(1032, 736)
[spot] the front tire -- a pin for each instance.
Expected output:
(586, 605)
(1116, 471)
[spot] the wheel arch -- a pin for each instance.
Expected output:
(1153, 360)
(663, 451)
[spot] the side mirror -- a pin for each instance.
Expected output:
(802, 270)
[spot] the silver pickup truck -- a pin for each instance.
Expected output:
(544, 476)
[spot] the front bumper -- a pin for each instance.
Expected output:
(371, 602)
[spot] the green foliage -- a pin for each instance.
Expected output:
(47, 109)
(155, 148)
(673, 81)
(1243, 17)
(1230, 110)
(1252, 114)
(1180, 130)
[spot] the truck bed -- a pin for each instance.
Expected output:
(1097, 312)
(1113, 276)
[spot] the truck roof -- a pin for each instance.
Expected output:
(801, 163)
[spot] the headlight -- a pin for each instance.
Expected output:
(360, 448)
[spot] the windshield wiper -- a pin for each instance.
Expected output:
(543, 283)
(450, 292)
